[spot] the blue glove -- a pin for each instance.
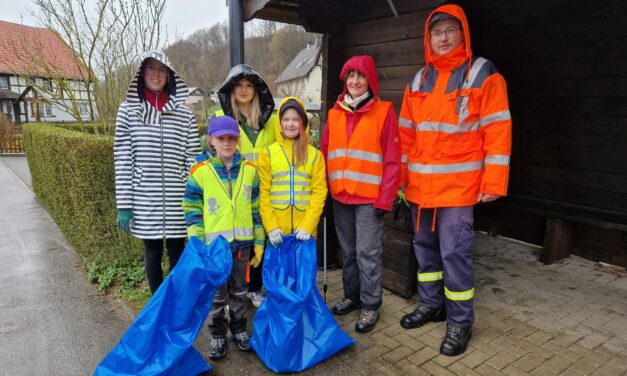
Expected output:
(125, 216)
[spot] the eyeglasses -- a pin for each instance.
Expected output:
(437, 34)
(151, 68)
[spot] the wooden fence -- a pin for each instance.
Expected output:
(11, 140)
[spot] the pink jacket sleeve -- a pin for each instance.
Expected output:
(391, 147)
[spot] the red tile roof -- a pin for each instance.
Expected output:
(27, 38)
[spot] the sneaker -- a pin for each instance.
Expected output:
(242, 339)
(256, 297)
(218, 348)
(367, 320)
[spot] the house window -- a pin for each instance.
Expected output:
(47, 85)
(47, 109)
(4, 83)
(82, 107)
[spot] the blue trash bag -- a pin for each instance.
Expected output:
(294, 329)
(160, 340)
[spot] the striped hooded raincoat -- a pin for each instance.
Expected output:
(153, 152)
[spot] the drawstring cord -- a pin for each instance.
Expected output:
(435, 213)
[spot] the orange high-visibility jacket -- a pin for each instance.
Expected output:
(355, 165)
(455, 127)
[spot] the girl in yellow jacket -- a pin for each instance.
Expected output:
(292, 185)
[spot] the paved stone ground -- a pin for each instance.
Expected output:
(568, 318)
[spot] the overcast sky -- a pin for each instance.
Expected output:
(182, 17)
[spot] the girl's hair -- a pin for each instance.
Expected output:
(300, 145)
(254, 117)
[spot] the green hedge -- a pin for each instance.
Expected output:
(73, 176)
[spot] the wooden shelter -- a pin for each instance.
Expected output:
(566, 67)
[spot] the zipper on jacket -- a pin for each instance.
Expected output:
(162, 169)
(292, 189)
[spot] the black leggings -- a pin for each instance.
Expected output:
(153, 254)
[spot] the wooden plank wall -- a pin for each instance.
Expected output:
(565, 64)
(396, 44)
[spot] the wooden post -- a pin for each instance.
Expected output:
(558, 240)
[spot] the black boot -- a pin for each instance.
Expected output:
(456, 340)
(421, 316)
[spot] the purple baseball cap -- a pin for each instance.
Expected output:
(222, 125)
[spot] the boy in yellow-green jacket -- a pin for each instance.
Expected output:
(222, 199)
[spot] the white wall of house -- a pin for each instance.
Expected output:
(307, 88)
(50, 112)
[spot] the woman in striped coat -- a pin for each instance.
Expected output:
(156, 140)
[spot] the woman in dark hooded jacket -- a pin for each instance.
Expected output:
(156, 140)
(245, 96)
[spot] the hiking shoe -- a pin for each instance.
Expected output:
(367, 320)
(256, 297)
(242, 339)
(218, 348)
(346, 306)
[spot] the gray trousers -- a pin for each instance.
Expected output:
(233, 294)
(360, 233)
(445, 269)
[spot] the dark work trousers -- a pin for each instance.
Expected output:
(233, 294)
(360, 233)
(445, 269)
(153, 254)
(256, 281)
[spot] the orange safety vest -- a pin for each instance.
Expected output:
(355, 165)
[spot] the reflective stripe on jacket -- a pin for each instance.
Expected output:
(227, 210)
(355, 165)
(455, 127)
(289, 218)
(290, 186)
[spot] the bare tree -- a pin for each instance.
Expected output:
(105, 42)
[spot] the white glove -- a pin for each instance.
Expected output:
(302, 234)
(276, 237)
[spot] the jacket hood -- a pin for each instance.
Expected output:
(177, 92)
(363, 64)
(246, 71)
(279, 135)
(457, 12)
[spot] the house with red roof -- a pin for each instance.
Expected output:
(33, 64)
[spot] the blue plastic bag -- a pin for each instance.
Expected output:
(160, 340)
(294, 329)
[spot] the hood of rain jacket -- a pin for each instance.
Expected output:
(462, 53)
(363, 64)
(177, 92)
(265, 97)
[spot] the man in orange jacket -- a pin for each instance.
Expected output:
(456, 141)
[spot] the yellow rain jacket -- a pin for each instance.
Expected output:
(289, 210)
